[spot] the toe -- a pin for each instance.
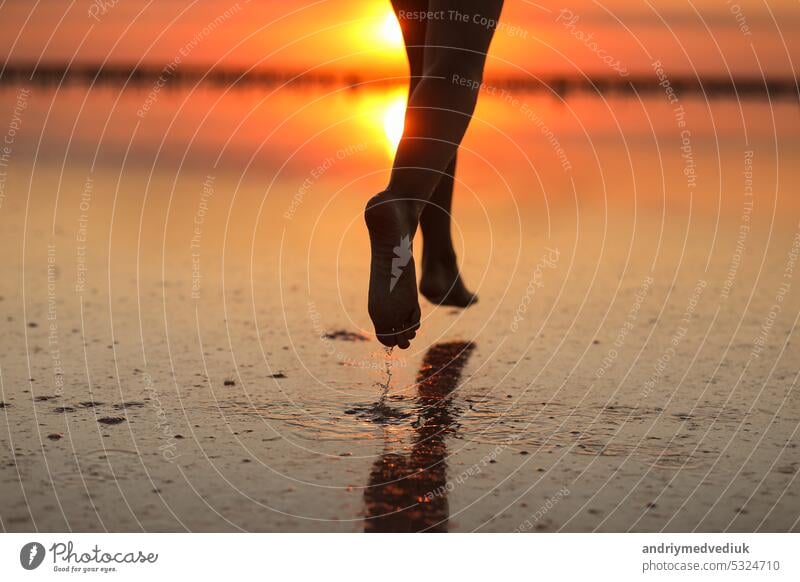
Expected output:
(406, 334)
(387, 339)
(409, 334)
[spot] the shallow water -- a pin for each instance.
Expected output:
(191, 273)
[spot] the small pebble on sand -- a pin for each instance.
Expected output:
(111, 420)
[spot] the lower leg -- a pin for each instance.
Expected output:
(438, 113)
(392, 216)
(437, 116)
(441, 280)
(441, 104)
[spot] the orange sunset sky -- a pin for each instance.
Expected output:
(360, 36)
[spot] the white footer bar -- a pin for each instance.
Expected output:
(354, 557)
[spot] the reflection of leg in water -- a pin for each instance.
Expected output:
(408, 493)
(439, 111)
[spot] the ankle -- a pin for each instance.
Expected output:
(415, 202)
(408, 209)
(437, 256)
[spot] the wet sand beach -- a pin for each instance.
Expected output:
(185, 343)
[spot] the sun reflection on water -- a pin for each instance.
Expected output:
(390, 31)
(394, 119)
(382, 114)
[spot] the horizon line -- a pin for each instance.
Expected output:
(559, 84)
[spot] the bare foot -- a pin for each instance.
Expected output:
(393, 304)
(441, 281)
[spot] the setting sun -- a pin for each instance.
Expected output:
(382, 114)
(390, 31)
(394, 120)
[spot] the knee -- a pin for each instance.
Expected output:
(461, 69)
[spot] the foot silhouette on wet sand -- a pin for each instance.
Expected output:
(393, 300)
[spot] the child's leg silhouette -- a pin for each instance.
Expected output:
(439, 110)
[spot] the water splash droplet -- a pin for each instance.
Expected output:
(381, 407)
